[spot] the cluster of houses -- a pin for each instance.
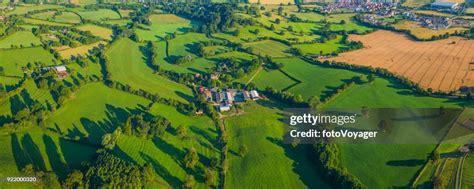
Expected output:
(224, 99)
(435, 22)
(361, 5)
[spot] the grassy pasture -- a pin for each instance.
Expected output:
(185, 44)
(43, 22)
(121, 22)
(64, 17)
(424, 33)
(269, 47)
(104, 33)
(309, 16)
(46, 151)
(97, 15)
(23, 9)
(349, 24)
(133, 70)
(385, 158)
(468, 172)
(12, 60)
(6, 81)
(94, 110)
(273, 78)
(124, 13)
(328, 47)
(386, 94)
(164, 24)
(166, 153)
(28, 94)
(68, 17)
(19, 38)
(261, 129)
(247, 34)
(315, 80)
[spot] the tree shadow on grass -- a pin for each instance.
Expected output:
(123, 155)
(406, 163)
(185, 96)
(20, 156)
(302, 165)
(57, 164)
(207, 136)
(33, 152)
(75, 154)
(16, 104)
(169, 149)
(29, 102)
(175, 182)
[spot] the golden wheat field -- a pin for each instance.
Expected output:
(444, 65)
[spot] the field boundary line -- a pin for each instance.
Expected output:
(254, 75)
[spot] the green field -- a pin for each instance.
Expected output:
(248, 34)
(315, 80)
(468, 172)
(44, 150)
(399, 163)
(97, 15)
(186, 44)
(269, 48)
(349, 25)
(104, 33)
(27, 8)
(64, 17)
(85, 115)
(43, 22)
(121, 22)
(19, 39)
(325, 48)
(29, 93)
(273, 78)
(13, 60)
(133, 70)
(166, 153)
(309, 16)
(164, 24)
(269, 163)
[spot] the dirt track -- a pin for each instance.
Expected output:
(440, 65)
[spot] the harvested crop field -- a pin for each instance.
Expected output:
(441, 65)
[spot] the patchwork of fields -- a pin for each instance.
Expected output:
(133, 81)
(440, 65)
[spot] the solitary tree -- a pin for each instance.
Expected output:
(181, 131)
(243, 150)
(189, 182)
(191, 158)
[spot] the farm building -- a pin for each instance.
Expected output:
(444, 5)
(224, 99)
(61, 71)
